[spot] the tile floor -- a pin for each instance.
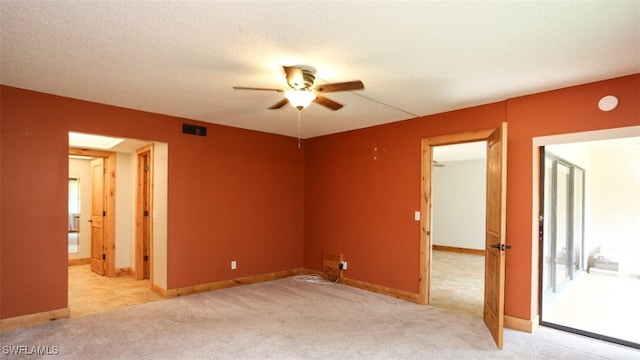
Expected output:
(90, 293)
(599, 303)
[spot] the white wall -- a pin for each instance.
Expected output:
(125, 205)
(615, 204)
(160, 192)
(459, 204)
(81, 169)
(577, 153)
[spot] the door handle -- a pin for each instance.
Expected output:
(89, 220)
(501, 247)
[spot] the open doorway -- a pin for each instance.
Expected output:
(74, 206)
(458, 227)
(495, 224)
(95, 175)
(590, 218)
(89, 292)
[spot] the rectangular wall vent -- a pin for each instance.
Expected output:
(194, 130)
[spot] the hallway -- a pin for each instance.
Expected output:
(90, 293)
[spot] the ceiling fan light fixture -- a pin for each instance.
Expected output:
(300, 99)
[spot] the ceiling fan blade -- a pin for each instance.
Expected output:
(344, 86)
(279, 104)
(327, 102)
(295, 77)
(255, 88)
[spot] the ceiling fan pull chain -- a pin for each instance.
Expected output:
(299, 121)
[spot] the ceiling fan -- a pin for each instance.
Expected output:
(303, 91)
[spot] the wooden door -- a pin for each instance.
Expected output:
(495, 233)
(143, 213)
(146, 227)
(98, 253)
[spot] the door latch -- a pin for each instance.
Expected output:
(501, 247)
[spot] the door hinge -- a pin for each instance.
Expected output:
(104, 213)
(540, 227)
(146, 258)
(104, 257)
(145, 213)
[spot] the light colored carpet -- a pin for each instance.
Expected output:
(457, 282)
(295, 319)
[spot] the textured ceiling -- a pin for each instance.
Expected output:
(415, 58)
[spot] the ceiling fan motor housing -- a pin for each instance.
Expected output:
(306, 83)
(301, 80)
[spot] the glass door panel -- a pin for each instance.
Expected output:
(547, 269)
(562, 233)
(578, 220)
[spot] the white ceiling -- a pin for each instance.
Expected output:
(415, 58)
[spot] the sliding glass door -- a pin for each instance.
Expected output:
(563, 244)
(590, 277)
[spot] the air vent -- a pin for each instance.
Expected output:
(194, 130)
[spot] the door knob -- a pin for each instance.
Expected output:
(501, 247)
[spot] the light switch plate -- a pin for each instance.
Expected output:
(416, 216)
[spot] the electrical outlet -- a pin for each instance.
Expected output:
(233, 265)
(343, 265)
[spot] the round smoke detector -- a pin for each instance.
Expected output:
(608, 103)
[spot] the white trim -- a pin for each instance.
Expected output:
(615, 133)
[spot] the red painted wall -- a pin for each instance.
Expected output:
(362, 187)
(234, 195)
(563, 111)
(255, 198)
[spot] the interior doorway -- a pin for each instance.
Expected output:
(459, 196)
(590, 222)
(116, 223)
(495, 224)
(144, 206)
(74, 208)
(99, 239)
